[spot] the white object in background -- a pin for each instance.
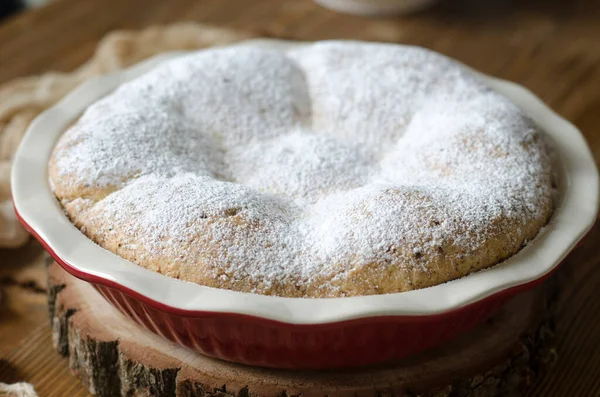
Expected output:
(17, 390)
(376, 7)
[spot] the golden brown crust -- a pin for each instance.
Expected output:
(505, 238)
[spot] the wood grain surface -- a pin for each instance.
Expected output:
(552, 47)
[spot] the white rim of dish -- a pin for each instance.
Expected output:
(37, 206)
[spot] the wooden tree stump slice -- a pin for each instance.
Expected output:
(113, 356)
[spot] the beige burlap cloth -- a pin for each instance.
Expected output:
(23, 99)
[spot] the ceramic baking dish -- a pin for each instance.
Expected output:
(295, 332)
(377, 7)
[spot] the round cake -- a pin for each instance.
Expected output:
(326, 170)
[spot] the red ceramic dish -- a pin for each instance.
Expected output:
(256, 341)
(294, 332)
(262, 342)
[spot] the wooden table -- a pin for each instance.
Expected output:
(552, 47)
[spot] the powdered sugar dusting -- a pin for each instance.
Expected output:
(287, 167)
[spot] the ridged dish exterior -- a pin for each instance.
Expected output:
(261, 342)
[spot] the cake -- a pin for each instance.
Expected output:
(332, 169)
